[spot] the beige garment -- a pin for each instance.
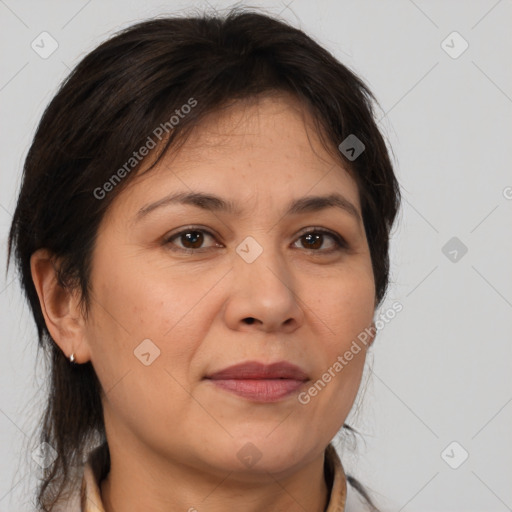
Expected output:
(96, 469)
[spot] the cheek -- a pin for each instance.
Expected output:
(344, 312)
(140, 299)
(132, 305)
(135, 320)
(346, 304)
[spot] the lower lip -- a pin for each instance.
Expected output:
(260, 390)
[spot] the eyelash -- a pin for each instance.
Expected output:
(339, 241)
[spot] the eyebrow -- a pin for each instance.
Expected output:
(215, 203)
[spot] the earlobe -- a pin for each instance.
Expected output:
(59, 307)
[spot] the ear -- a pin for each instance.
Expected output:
(60, 307)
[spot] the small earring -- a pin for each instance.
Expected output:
(72, 358)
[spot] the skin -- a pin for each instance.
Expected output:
(173, 436)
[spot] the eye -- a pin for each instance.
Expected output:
(314, 240)
(191, 240)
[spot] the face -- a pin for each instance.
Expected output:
(183, 290)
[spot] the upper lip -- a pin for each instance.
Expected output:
(257, 370)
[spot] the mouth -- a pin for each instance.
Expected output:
(259, 382)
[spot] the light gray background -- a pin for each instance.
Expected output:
(441, 369)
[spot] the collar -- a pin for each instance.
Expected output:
(98, 463)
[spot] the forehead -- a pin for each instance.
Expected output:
(276, 121)
(265, 147)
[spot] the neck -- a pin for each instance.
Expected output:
(136, 483)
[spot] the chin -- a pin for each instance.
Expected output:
(263, 454)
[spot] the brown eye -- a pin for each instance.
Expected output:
(314, 240)
(189, 240)
(192, 239)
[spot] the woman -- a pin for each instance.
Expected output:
(202, 234)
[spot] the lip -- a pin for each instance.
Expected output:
(260, 382)
(257, 370)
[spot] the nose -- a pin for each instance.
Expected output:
(263, 295)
